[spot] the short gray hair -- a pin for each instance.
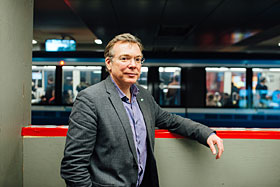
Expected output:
(125, 37)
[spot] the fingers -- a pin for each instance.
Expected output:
(215, 140)
(212, 148)
(220, 146)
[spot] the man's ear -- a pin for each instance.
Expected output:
(108, 63)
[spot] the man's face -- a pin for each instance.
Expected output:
(124, 66)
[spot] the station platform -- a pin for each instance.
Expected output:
(251, 158)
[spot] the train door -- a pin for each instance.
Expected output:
(77, 78)
(43, 84)
(226, 87)
(170, 86)
(143, 79)
(266, 87)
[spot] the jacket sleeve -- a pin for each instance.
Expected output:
(80, 142)
(182, 126)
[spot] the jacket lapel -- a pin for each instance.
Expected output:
(120, 110)
(151, 164)
(144, 109)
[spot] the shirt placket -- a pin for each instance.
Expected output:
(137, 136)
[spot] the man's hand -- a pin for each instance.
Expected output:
(212, 141)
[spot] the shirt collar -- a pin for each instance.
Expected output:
(134, 90)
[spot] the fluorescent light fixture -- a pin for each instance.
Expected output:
(216, 69)
(259, 70)
(274, 69)
(223, 69)
(238, 69)
(98, 41)
(34, 42)
(169, 69)
(82, 68)
(43, 67)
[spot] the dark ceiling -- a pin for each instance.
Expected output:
(163, 25)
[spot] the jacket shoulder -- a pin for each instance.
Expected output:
(94, 91)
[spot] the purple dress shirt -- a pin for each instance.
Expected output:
(138, 127)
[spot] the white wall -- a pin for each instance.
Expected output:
(181, 163)
(16, 25)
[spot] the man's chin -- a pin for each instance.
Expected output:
(131, 81)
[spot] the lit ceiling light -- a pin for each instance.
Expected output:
(62, 63)
(34, 42)
(98, 41)
(279, 44)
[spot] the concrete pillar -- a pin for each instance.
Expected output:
(16, 32)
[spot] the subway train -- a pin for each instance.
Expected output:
(231, 90)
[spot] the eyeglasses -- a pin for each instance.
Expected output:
(127, 59)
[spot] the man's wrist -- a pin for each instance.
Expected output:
(211, 134)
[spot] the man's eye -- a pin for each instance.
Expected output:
(138, 59)
(124, 59)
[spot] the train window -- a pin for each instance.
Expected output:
(77, 78)
(266, 87)
(226, 87)
(170, 86)
(143, 79)
(43, 84)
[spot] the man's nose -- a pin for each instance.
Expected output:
(132, 63)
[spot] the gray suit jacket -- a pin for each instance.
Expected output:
(99, 148)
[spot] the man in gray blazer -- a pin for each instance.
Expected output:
(110, 141)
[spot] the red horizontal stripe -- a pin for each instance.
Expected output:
(44, 131)
(224, 134)
(166, 134)
(249, 134)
